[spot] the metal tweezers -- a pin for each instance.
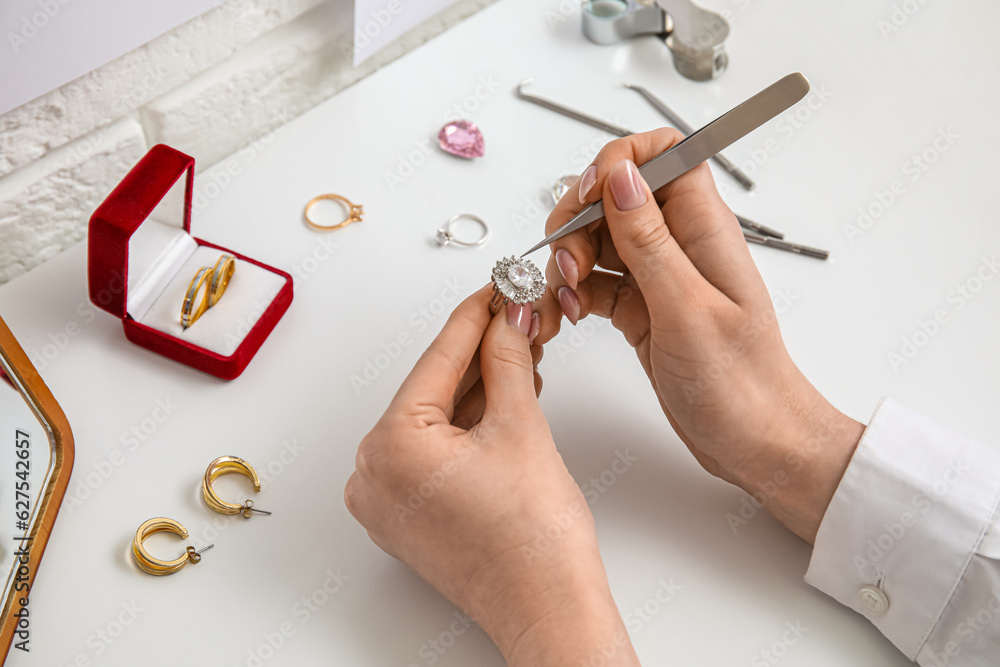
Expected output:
(754, 232)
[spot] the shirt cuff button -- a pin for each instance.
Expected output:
(873, 600)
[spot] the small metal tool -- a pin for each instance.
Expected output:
(701, 145)
(564, 110)
(695, 36)
(686, 130)
(620, 131)
(763, 230)
(785, 245)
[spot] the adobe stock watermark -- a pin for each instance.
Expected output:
(779, 648)
(147, 84)
(640, 616)
(88, 481)
(920, 506)
(420, 494)
(967, 631)
(538, 206)
(418, 322)
(587, 328)
(913, 169)
(435, 647)
(578, 336)
(366, 31)
(787, 125)
(322, 251)
(31, 24)
(556, 13)
(593, 489)
(209, 186)
(899, 16)
(41, 355)
(300, 613)
(753, 502)
(237, 333)
(409, 163)
(957, 298)
(741, 345)
(105, 636)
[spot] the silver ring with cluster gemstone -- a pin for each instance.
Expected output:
(516, 280)
(445, 236)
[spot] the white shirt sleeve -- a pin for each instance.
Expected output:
(911, 539)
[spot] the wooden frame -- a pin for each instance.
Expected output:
(29, 384)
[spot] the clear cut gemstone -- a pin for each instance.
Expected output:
(520, 277)
(562, 185)
(443, 237)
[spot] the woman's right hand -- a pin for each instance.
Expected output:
(679, 282)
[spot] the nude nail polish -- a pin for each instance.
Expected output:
(536, 326)
(626, 186)
(587, 181)
(519, 317)
(567, 267)
(570, 304)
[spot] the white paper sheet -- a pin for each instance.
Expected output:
(48, 43)
(378, 22)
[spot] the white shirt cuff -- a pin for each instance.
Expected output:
(906, 519)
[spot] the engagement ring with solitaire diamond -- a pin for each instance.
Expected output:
(516, 280)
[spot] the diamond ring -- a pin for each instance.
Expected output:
(516, 280)
(445, 236)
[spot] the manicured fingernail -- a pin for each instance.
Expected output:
(519, 317)
(536, 326)
(626, 186)
(570, 304)
(567, 267)
(587, 181)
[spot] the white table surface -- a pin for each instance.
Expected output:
(294, 412)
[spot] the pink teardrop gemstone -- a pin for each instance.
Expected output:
(462, 138)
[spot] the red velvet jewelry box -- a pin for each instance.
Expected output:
(142, 257)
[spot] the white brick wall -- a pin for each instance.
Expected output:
(207, 87)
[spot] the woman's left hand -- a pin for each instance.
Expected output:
(461, 480)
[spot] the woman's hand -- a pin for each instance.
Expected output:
(461, 480)
(694, 307)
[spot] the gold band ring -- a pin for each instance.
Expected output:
(190, 313)
(221, 275)
(221, 466)
(355, 212)
(155, 566)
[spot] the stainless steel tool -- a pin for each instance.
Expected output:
(569, 112)
(787, 246)
(701, 145)
(686, 130)
(695, 36)
(763, 230)
(620, 131)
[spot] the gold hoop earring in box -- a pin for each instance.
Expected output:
(516, 280)
(222, 466)
(153, 565)
(355, 212)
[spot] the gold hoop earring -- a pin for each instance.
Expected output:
(221, 466)
(155, 566)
